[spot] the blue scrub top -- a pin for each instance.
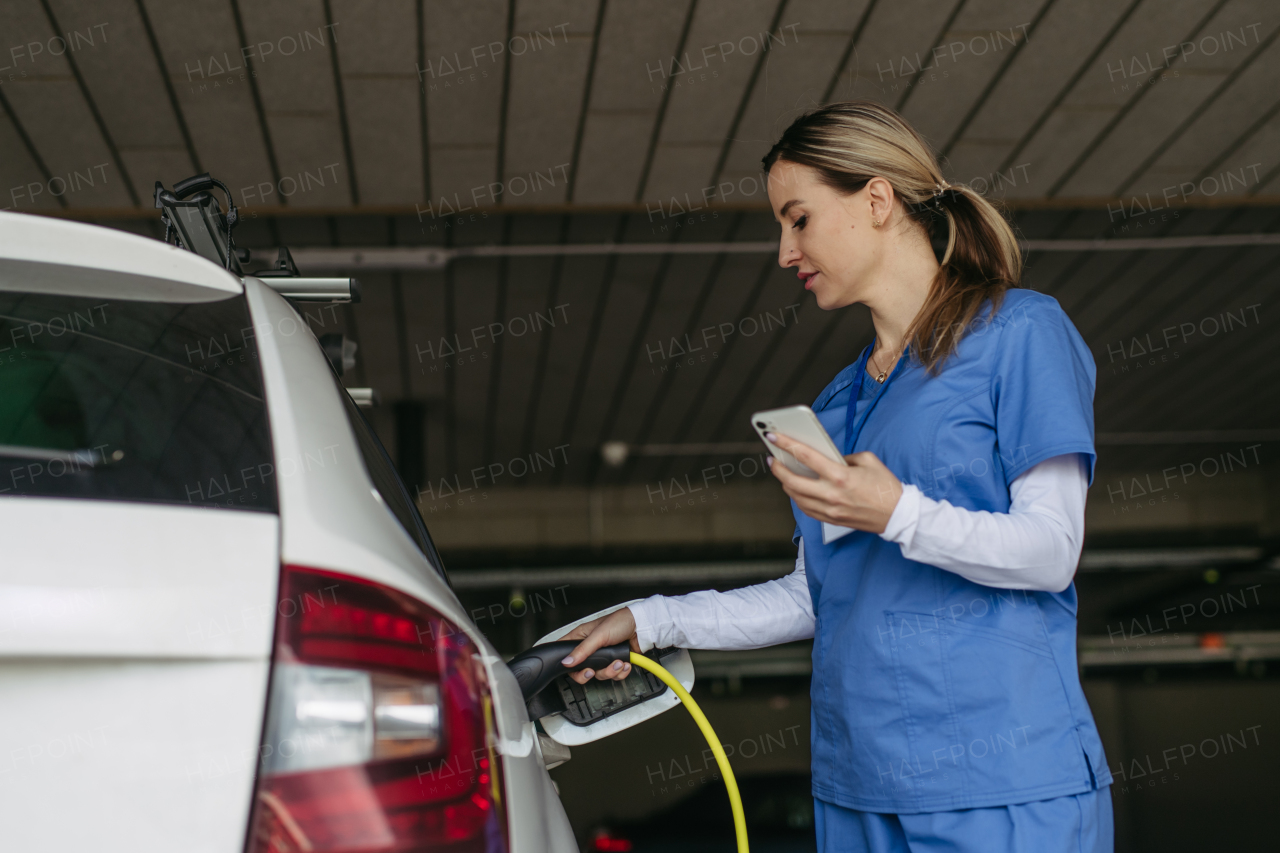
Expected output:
(931, 692)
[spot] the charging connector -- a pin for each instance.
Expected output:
(536, 668)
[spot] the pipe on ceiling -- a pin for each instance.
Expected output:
(429, 258)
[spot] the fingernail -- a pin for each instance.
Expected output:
(617, 665)
(588, 673)
(769, 461)
(568, 661)
(771, 437)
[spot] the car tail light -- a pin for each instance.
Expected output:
(380, 731)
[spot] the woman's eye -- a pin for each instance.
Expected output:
(800, 223)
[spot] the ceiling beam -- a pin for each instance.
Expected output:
(749, 570)
(386, 258)
(1192, 202)
(617, 452)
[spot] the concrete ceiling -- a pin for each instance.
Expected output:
(357, 105)
(471, 122)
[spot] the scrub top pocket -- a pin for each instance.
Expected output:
(985, 703)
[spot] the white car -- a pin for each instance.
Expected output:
(223, 626)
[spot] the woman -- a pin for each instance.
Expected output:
(934, 571)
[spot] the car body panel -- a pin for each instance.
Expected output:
(118, 579)
(95, 261)
(132, 683)
(122, 755)
(136, 638)
(317, 458)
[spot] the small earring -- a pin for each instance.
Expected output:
(875, 223)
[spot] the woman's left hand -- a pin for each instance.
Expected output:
(861, 495)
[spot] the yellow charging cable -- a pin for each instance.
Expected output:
(735, 801)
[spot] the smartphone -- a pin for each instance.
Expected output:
(800, 423)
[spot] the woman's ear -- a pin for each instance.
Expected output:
(880, 197)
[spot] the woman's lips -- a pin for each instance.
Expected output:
(808, 279)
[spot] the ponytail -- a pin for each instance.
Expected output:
(981, 261)
(850, 143)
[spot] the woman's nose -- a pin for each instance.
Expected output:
(787, 255)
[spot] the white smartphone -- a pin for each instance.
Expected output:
(800, 423)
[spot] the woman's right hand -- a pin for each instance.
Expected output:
(617, 627)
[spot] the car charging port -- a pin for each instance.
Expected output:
(584, 704)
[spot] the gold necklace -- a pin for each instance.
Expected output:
(883, 374)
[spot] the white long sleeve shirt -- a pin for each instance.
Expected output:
(1034, 546)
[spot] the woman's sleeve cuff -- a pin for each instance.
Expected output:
(902, 524)
(650, 616)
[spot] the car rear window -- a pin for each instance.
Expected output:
(134, 401)
(388, 483)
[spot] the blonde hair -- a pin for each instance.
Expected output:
(850, 143)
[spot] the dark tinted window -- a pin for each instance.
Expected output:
(389, 485)
(137, 401)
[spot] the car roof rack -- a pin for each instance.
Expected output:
(194, 220)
